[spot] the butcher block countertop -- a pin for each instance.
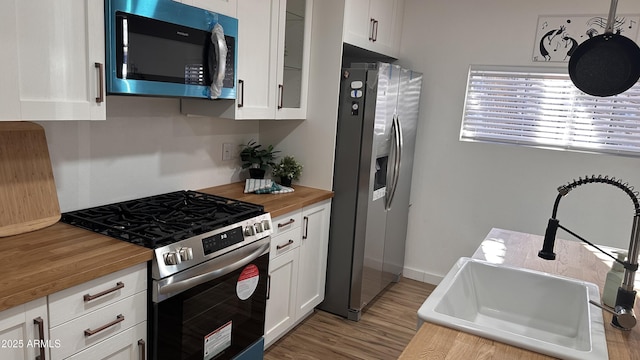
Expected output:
(275, 204)
(574, 259)
(39, 263)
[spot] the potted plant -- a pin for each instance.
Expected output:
(257, 159)
(287, 169)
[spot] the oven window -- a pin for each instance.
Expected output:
(213, 318)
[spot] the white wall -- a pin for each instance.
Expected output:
(145, 147)
(461, 190)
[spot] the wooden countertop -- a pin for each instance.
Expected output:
(574, 260)
(275, 204)
(39, 263)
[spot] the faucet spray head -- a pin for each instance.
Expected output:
(549, 240)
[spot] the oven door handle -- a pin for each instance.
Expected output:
(210, 270)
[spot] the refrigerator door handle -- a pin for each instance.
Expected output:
(396, 128)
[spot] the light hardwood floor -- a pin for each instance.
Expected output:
(382, 333)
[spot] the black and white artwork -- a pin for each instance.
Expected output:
(558, 36)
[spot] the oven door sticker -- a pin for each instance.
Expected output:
(217, 341)
(247, 282)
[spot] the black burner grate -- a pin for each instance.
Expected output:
(160, 220)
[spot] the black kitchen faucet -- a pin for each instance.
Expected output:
(624, 317)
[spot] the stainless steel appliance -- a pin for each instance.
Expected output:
(375, 142)
(209, 276)
(166, 48)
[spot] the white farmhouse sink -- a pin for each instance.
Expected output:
(529, 309)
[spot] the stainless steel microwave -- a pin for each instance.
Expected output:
(166, 48)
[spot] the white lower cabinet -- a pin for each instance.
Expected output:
(281, 306)
(24, 331)
(297, 268)
(103, 318)
(313, 257)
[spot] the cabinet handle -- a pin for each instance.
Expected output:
(38, 321)
(100, 67)
(291, 221)
(375, 30)
(280, 247)
(281, 94)
(143, 349)
(119, 285)
(268, 286)
(371, 22)
(241, 86)
(119, 319)
(306, 227)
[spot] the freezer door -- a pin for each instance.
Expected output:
(397, 216)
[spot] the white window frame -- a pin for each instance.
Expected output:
(540, 107)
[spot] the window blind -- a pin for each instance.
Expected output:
(541, 107)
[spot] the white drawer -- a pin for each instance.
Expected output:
(71, 335)
(129, 344)
(285, 242)
(70, 303)
(286, 222)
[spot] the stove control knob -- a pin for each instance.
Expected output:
(249, 230)
(186, 253)
(266, 224)
(172, 258)
(259, 227)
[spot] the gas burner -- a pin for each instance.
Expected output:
(160, 220)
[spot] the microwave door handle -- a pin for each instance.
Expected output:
(220, 50)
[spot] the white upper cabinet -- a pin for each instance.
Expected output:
(224, 7)
(294, 39)
(374, 25)
(52, 63)
(273, 59)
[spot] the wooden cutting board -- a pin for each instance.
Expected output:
(28, 197)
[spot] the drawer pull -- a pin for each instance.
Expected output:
(38, 321)
(143, 349)
(119, 285)
(291, 221)
(280, 247)
(119, 319)
(100, 68)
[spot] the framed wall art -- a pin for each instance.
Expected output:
(557, 36)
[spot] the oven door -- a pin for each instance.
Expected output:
(166, 48)
(214, 310)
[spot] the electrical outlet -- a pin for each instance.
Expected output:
(227, 151)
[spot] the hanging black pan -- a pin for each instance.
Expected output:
(607, 64)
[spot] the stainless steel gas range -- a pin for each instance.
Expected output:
(209, 275)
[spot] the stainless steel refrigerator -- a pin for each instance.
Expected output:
(375, 142)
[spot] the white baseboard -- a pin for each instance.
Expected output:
(422, 276)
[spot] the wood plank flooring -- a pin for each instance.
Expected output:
(382, 333)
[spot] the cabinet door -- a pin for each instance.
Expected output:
(374, 25)
(53, 60)
(357, 23)
(385, 36)
(126, 345)
(225, 7)
(294, 37)
(257, 56)
(22, 329)
(281, 307)
(313, 257)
